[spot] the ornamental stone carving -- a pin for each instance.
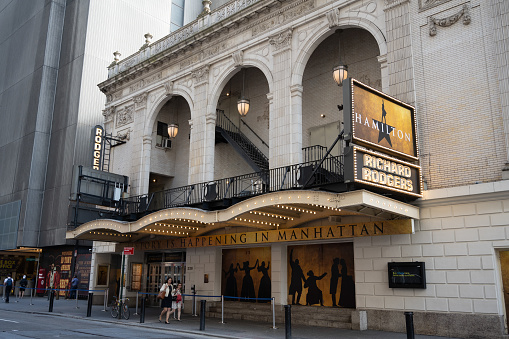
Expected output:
(125, 116)
(333, 17)
(201, 75)
(238, 58)
(124, 135)
(108, 113)
(140, 101)
(426, 4)
(168, 88)
(450, 20)
(282, 40)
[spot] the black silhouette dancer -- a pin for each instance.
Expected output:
(231, 282)
(347, 294)
(296, 280)
(247, 283)
(314, 295)
(264, 289)
(334, 278)
(384, 114)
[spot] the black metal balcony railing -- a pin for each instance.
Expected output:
(239, 187)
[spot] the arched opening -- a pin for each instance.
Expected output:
(321, 119)
(242, 141)
(169, 159)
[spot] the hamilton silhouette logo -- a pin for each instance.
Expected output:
(385, 131)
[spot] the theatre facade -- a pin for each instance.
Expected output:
(242, 158)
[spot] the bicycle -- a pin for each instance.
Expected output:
(122, 305)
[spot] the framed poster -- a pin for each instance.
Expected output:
(102, 275)
(136, 270)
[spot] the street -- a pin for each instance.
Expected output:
(25, 325)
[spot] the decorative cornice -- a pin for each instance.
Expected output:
(125, 116)
(450, 20)
(201, 75)
(282, 40)
(333, 17)
(238, 58)
(296, 90)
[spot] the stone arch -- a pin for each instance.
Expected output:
(230, 70)
(160, 100)
(325, 31)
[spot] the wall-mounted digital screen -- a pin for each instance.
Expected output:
(407, 275)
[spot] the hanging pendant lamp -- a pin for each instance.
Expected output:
(340, 73)
(173, 129)
(243, 103)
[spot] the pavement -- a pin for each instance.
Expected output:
(189, 324)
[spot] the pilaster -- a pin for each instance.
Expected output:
(399, 50)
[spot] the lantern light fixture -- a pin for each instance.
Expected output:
(340, 72)
(243, 102)
(173, 128)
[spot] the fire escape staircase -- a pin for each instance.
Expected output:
(240, 142)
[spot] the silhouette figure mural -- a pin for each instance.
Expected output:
(334, 279)
(329, 268)
(264, 291)
(347, 296)
(231, 282)
(255, 282)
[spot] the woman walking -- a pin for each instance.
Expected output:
(177, 300)
(166, 302)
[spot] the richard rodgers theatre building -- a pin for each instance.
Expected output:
(347, 157)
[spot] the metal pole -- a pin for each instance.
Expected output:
(89, 306)
(202, 315)
(194, 303)
(222, 309)
(142, 316)
(77, 298)
(105, 299)
(410, 325)
(31, 295)
(274, 313)
(121, 287)
(51, 297)
(288, 321)
(136, 313)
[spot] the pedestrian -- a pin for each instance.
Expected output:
(177, 300)
(22, 286)
(74, 286)
(8, 283)
(166, 302)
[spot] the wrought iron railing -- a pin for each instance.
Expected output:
(242, 141)
(239, 187)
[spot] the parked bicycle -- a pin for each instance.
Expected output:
(121, 305)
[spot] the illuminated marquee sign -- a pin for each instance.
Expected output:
(97, 141)
(376, 120)
(384, 227)
(375, 169)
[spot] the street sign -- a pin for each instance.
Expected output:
(128, 250)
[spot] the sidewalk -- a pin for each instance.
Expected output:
(189, 324)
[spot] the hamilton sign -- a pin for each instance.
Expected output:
(376, 120)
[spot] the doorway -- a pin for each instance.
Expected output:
(504, 265)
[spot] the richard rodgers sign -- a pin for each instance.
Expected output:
(375, 169)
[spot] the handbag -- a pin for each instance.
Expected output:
(161, 294)
(173, 298)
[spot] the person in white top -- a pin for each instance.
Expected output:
(166, 302)
(177, 300)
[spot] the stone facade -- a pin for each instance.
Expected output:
(445, 57)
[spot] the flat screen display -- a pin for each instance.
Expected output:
(407, 275)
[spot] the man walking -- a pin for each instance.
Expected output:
(8, 287)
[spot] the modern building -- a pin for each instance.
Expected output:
(52, 55)
(387, 194)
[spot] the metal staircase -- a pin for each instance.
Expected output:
(249, 152)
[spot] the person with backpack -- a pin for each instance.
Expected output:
(8, 283)
(23, 283)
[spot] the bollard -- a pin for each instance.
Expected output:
(51, 298)
(76, 291)
(31, 295)
(288, 321)
(105, 300)
(136, 312)
(202, 315)
(410, 325)
(274, 313)
(142, 315)
(89, 306)
(222, 309)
